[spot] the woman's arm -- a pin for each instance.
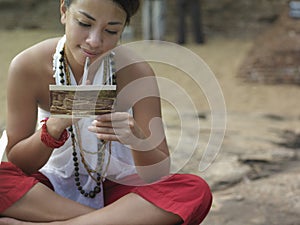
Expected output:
(28, 80)
(143, 133)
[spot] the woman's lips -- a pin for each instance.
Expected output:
(90, 54)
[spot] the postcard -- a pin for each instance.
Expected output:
(82, 100)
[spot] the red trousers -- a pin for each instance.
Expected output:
(186, 195)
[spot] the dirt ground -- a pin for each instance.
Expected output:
(275, 60)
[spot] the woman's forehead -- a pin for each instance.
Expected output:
(99, 8)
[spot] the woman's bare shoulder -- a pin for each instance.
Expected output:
(41, 49)
(35, 58)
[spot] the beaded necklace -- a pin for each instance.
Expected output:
(99, 173)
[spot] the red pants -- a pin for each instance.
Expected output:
(185, 195)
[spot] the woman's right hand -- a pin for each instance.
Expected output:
(56, 126)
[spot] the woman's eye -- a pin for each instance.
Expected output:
(111, 32)
(83, 24)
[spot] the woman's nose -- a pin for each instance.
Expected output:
(94, 39)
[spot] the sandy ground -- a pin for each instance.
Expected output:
(249, 106)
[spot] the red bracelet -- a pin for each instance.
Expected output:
(50, 141)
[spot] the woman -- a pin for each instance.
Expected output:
(56, 172)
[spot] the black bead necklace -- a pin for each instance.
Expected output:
(64, 71)
(97, 188)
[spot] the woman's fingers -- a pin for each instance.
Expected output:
(115, 126)
(115, 120)
(116, 116)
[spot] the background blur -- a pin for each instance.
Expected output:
(220, 17)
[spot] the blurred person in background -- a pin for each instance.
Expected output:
(153, 19)
(192, 9)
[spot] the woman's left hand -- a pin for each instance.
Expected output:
(117, 126)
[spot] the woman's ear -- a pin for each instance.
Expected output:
(63, 11)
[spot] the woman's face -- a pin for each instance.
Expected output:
(92, 28)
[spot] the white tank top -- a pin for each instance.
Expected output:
(60, 167)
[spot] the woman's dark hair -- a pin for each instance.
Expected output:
(129, 6)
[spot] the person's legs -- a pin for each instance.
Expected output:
(181, 10)
(177, 199)
(195, 10)
(158, 22)
(146, 19)
(185, 195)
(180, 199)
(131, 209)
(32, 197)
(42, 204)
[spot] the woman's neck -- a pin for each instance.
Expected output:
(77, 69)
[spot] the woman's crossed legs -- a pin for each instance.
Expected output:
(42, 204)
